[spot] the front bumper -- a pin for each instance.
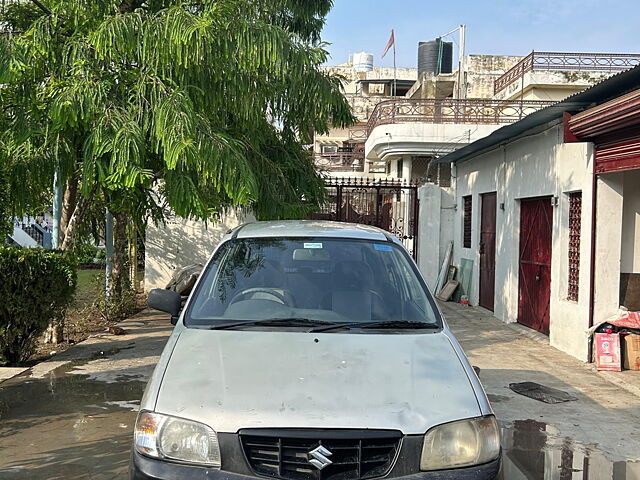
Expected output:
(235, 467)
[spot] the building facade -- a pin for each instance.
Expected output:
(548, 214)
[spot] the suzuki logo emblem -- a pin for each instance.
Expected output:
(320, 459)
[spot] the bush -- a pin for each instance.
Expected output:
(36, 286)
(86, 254)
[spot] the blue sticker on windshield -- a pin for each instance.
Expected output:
(382, 248)
(312, 245)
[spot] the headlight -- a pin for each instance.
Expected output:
(461, 444)
(171, 438)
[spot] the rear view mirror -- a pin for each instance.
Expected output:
(311, 255)
(166, 301)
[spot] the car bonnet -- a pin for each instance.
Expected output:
(281, 379)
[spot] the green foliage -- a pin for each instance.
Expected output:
(5, 217)
(19, 16)
(85, 253)
(210, 101)
(117, 308)
(36, 286)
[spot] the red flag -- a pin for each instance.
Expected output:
(392, 40)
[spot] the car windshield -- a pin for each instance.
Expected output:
(326, 280)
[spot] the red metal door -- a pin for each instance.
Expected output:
(536, 219)
(488, 251)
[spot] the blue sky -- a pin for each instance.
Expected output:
(500, 27)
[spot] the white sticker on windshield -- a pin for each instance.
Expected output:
(312, 245)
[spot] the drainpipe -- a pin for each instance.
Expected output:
(592, 263)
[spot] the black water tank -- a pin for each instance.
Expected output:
(428, 54)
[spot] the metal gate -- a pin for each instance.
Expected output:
(389, 204)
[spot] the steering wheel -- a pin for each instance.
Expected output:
(284, 298)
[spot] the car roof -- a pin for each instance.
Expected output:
(311, 228)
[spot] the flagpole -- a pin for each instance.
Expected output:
(395, 88)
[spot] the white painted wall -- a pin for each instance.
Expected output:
(435, 229)
(414, 138)
(22, 238)
(535, 166)
(181, 242)
(608, 245)
(630, 261)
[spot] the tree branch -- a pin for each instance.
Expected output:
(41, 7)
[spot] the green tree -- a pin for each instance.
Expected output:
(208, 103)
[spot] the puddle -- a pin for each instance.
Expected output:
(59, 392)
(535, 450)
(64, 426)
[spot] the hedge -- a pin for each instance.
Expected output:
(36, 286)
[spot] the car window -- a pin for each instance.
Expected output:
(324, 279)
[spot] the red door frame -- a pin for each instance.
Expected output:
(534, 265)
(488, 250)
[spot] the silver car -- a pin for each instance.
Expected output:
(312, 351)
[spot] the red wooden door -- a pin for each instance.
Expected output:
(488, 251)
(536, 219)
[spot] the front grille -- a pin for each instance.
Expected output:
(354, 454)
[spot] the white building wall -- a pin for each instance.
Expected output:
(608, 245)
(630, 262)
(181, 242)
(535, 166)
(435, 229)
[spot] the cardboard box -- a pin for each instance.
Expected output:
(608, 351)
(631, 352)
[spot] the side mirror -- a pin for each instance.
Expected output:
(166, 301)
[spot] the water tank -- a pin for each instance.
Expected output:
(362, 61)
(434, 52)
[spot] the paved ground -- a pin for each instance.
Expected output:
(596, 437)
(72, 417)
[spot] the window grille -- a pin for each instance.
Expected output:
(575, 214)
(466, 230)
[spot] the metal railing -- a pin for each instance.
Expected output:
(450, 110)
(571, 62)
(340, 161)
(358, 132)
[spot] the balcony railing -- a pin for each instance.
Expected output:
(340, 161)
(358, 132)
(570, 62)
(450, 110)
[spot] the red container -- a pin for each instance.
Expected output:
(608, 351)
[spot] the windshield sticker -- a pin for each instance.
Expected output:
(312, 245)
(382, 248)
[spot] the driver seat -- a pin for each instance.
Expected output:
(351, 296)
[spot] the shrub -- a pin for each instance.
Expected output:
(86, 254)
(36, 286)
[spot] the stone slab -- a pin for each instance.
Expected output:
(9, 372)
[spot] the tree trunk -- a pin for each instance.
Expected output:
(79, 212)
(120, 272)
(68, 204)
(133, 258)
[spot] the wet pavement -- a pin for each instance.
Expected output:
(72, 417)
(595, 437)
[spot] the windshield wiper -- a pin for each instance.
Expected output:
(380, 324)
(275, 322)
